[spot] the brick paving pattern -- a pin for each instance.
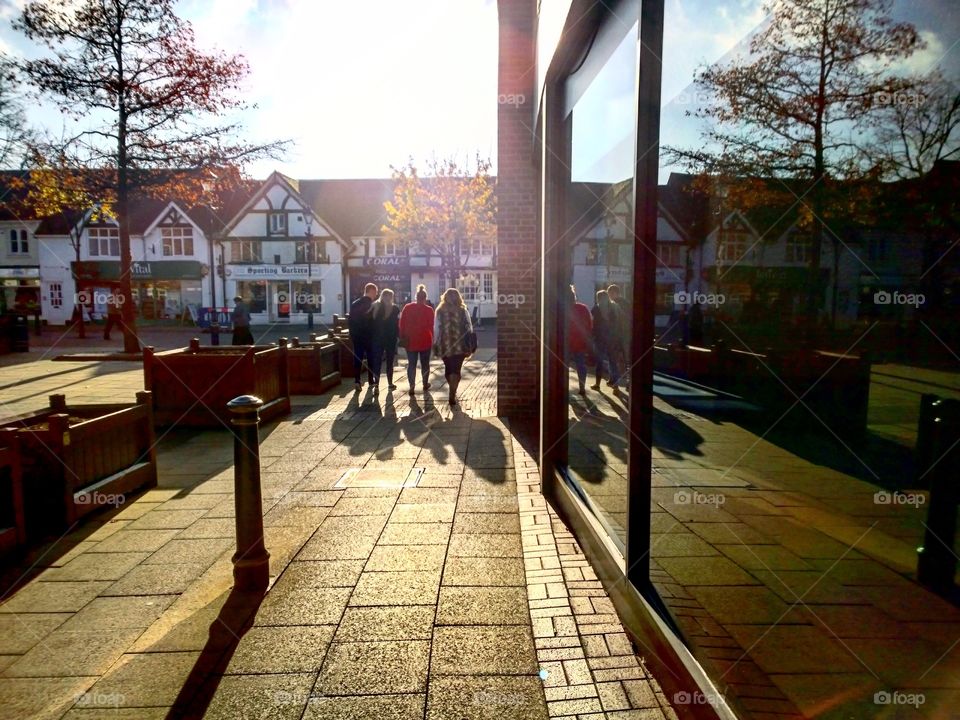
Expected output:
(592, 670)
(407, 602)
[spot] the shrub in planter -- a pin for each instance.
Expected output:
(75, 459)
(191, 386)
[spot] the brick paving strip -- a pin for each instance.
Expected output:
(592, 670)
(414, 602)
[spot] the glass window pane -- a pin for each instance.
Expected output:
(599, 320)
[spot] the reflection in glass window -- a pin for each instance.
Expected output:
(598, 315)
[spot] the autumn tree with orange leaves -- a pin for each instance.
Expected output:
(148, 105)
(439, 213)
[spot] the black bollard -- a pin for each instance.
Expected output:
(215, 333)
(310, 320)
(924, 449)
(251, 562)
(937, 563)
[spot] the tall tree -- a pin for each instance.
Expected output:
(797, 105)
(14, 134)
(149, 102)
(921, 127)
(442, 211)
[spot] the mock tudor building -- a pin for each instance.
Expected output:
(282, 257)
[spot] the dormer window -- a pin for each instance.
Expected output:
(277, 224)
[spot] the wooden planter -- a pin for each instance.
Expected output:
(314, 367)
(192, 386)
(13, 531)
(834, 388)
(75, 459)
(345, 344)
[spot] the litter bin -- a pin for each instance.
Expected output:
(20, 333)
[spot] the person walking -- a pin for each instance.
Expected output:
(114, 316)
(241, 323)
(579, 331)
(453, 338)
(618, 333)
(416, 337)
(603, 341)
(361, 329)
(384, 315)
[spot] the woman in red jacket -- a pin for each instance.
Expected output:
(579, 332)
(416, 335)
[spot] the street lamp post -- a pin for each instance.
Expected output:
(308, 248)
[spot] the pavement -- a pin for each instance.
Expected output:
(793, 583)
(461, 596)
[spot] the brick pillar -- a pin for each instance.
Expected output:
(518, 241)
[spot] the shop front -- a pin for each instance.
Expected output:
(391, 272)
(20, 289)
(161, 289)
(286, 293)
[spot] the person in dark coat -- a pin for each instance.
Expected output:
(114, 316)
(241, 323)
(360, 325)
(385, 317)
(605, 323)
(695, 324)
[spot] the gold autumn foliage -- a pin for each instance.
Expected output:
(443, 210)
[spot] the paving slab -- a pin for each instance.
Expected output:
(375, 668)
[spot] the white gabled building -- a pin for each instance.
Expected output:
(278, 254)
(170, 274)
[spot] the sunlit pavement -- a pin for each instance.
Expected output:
(462, 597)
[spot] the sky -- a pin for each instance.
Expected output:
(360, 86)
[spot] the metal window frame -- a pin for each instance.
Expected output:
(625, 572)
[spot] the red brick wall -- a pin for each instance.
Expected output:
(518, 253)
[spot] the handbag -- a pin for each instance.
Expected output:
(469, 336)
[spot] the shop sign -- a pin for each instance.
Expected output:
(276, 272)
(140, 270)
(19, 272)
(387, 261)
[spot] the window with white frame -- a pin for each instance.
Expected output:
(177, 241)
(468, 287)
(389, 247)
(798, 247)
(19, 242)
(309, 251)
(488, 286)
(671, 254)
(56, 295)
(247, 251)
(104, 242)
(277, 223)
(481, 247)
(734, 245)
